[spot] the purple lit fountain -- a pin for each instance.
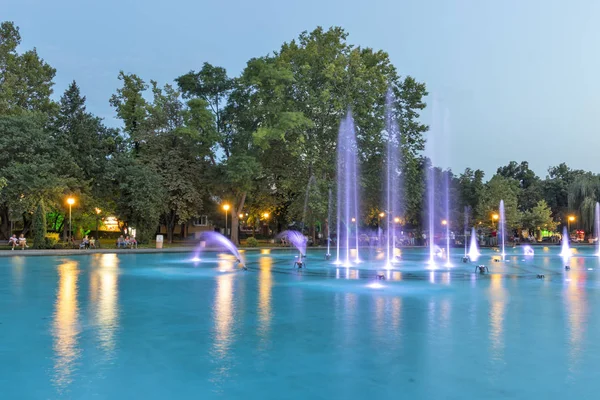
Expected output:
(393, 184)
(347, 192)
(216, 241)
(298, 240)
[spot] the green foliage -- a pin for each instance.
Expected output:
(584, 192)
(25, 79)
(499, 188)
(251, 242)
(39, 227)
(539, 218)
(51, 240)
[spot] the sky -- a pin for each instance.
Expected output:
(511, 80)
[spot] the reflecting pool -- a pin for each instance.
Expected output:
(158, 326)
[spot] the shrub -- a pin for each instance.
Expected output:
(51, 240)
(251, 242)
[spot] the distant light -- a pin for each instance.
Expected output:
(382, 215)
(226, 207)
(196, 259)
(397, 220)
(70, 201)
(444, 222)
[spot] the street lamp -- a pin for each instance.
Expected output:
(226, 208)
(266, 217)
(570, 219)
(397, 220)
(98, 211)
(70, 202)
(444, 222)
(494, 218)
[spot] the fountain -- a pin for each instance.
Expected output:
(328, 254)
(465, 230)
(298, 240)
(597, 228)
(393, 184)
(473, 250)
(214, 240)
(565, 251)
(347, 189)
(430, 205)
(501, 226)
(528, 250)
(447, 220)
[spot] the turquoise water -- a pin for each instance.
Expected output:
(159, 327)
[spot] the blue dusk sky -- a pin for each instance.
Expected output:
(514, 79)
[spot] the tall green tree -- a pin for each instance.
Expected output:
(25, 79)
(499, 188)
(39, 226)
(584, 192)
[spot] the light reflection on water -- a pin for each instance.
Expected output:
(576, 308)
(265, 284)
(498, 304)
(104, 299)
(65, 328)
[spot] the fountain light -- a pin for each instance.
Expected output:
(375, 285)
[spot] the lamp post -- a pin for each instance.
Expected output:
(494, 218)
(70, 201)
(569, 220)
(266, 217)
(226, 208)
(98, 211)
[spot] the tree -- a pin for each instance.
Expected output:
(556, 189)
(39, 226)
(584, 193)
(130, 105)
(539, 218)
(499, 188)
(25, 79)
(529, 183)
(139, 195)
(28, 166)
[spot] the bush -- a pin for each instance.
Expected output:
(251, 242)
(61, 245)
(52, 240)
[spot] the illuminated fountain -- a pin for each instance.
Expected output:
(216, 241)
(347, 191)
(298, 240)
(392, 176)
(565, 251)
(597, 228)
(473, 249)
(528, 250)
(502, 228)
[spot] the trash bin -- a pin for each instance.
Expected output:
(159, 241)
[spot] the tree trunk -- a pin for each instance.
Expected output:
(235, 237)
(5, 226)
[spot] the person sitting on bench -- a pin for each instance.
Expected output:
(13, 241)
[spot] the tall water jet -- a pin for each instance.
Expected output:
(565, 251)
(597, 228)
(392, 179)
(431, 214)
(473, 249)
(328, 225)
(501, 226)
(466, 227)
(447, 220)
(347, 185)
